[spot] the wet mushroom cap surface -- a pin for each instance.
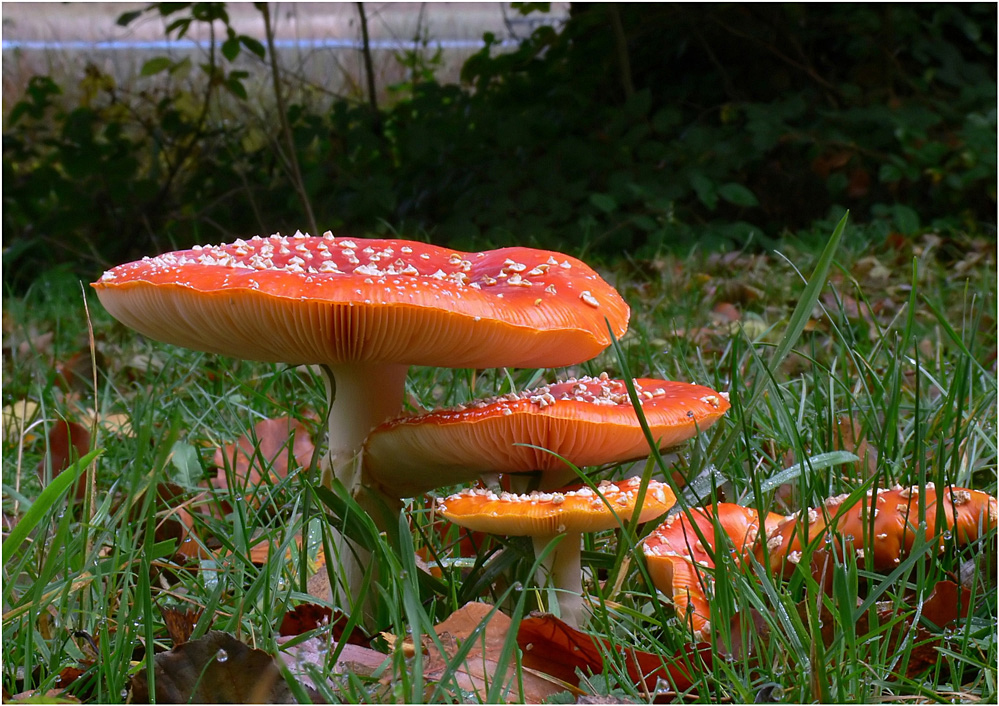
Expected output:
(587, 422)
(304, 299)
(572, 509)
(896, 523)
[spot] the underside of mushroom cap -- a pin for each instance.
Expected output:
(330, 300)
(586, 422)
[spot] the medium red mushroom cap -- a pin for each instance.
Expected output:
(586, 421)
(330, 300)
(893, 513)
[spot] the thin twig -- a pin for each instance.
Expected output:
(293, 167)
(621, 47)
(369, 68)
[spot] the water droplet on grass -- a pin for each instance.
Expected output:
(222, 655)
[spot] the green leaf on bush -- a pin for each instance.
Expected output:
(125, 18)
(156, 65)
(230, 48)
(889, 173)
(253, 45)
(705, 190)
(605, 202)
(236, 87)
(738, 194)
(906, 219)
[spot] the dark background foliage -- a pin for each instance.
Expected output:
(632, 128)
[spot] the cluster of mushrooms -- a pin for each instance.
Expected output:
(364, 310)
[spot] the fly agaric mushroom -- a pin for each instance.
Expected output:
(676, 556)
(896, 522)
(586, 421)
(365, 310)
(570, 511)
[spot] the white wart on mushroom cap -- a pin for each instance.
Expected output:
(331, 300)
(586, 421)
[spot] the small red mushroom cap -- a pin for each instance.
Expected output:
(572, 509)
(303, 299)
(896, 523)
(586, 421)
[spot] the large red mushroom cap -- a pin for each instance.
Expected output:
(330, 300)
(586, 421)
(893, 514)
(681, 566)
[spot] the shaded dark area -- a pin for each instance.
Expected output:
(634, 128)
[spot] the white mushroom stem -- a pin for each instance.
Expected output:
(565, 573)
(362, 396)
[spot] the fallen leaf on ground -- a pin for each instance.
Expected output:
(177, 519)
(309, 659)
(16, 415)
(216, 669)
(310, 616)
(180, 623)
(554, 647)
(67, 442)
(263, 454)
(479, 670)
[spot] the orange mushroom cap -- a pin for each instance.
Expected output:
(575, 508)
(586, 421)
(303, 299)
(675, 555)
(896, 522)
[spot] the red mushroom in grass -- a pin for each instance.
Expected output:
(882, 527)
(680, 565)
(568, 512)
(365, 310)
(585, 422)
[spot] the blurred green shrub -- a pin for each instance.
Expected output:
(632, 128)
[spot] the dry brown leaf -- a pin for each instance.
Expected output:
(36, 344)
(215, 669)
(180, 624)
(480, 667)
(177, 519)
(67, 442)
(554, 647)
(310, 658)
(262, 453)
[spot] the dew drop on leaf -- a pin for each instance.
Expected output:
(222, 655)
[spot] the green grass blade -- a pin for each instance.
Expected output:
(46, 500)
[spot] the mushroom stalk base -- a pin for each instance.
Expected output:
(565, 573)
(361, 396)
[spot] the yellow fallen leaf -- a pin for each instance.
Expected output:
(19, 415)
